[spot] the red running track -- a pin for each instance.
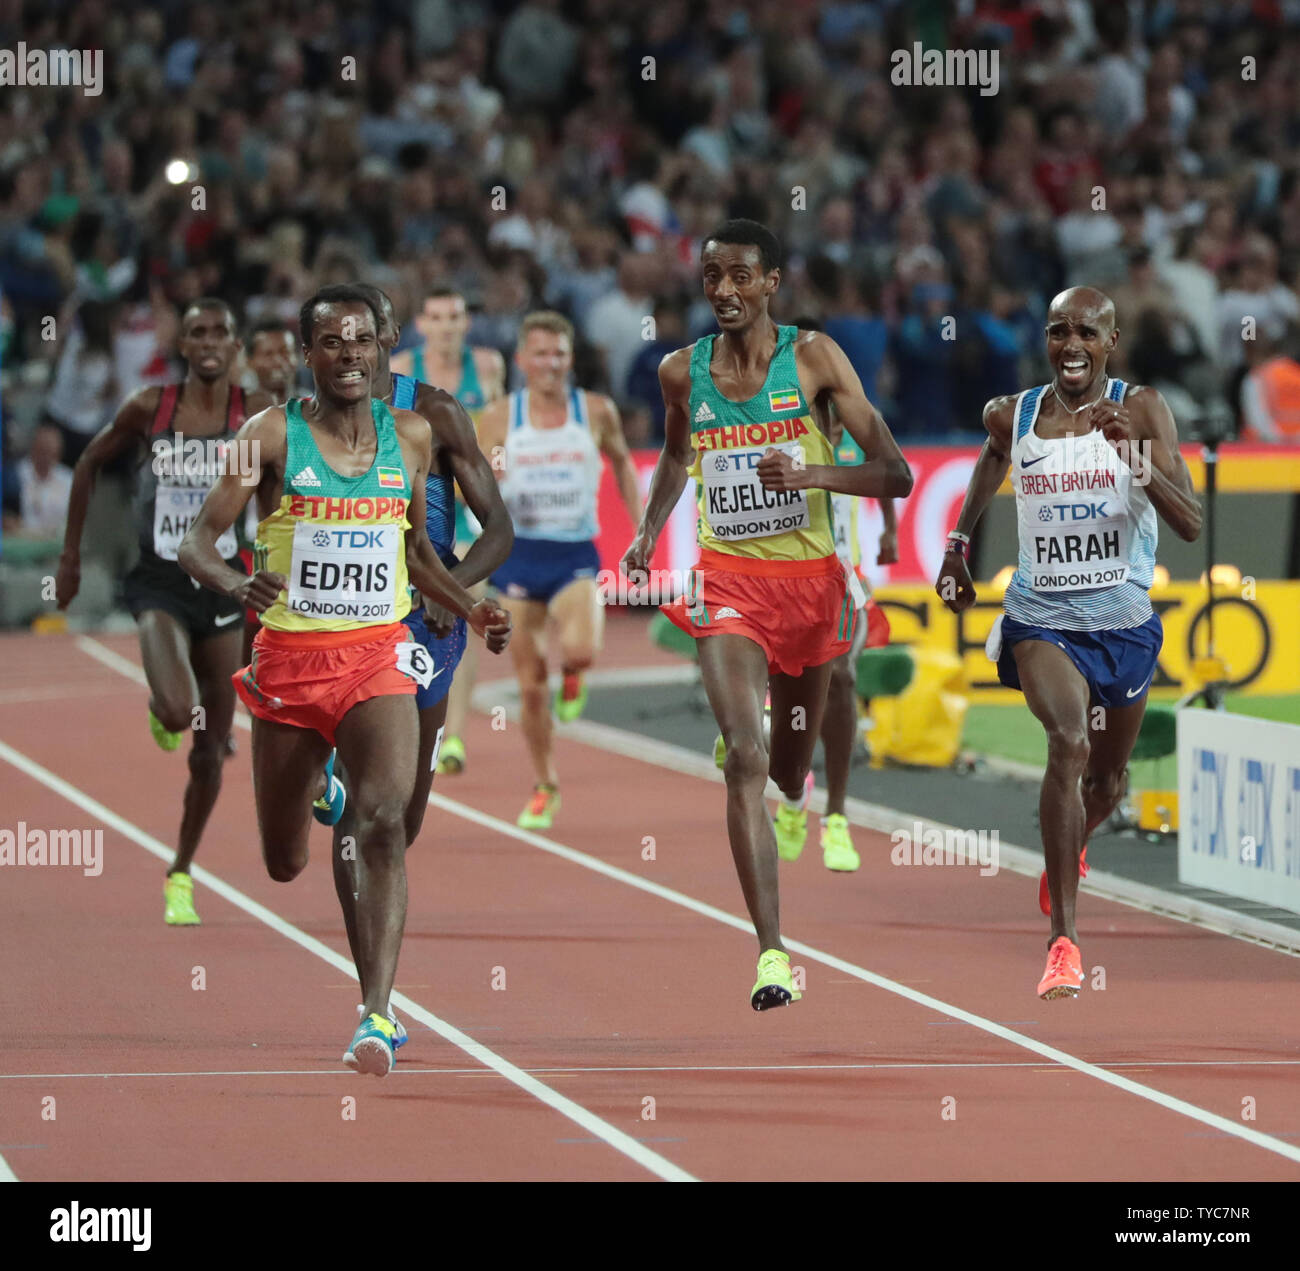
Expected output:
(622, 1041)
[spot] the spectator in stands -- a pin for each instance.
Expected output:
(44, 485)
(84, 392)
(1270, 397)
(643, 377)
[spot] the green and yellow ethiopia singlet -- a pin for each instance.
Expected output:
(341, 541)
(737, 515)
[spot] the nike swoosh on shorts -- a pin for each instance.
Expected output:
(227, 620)
(1134, 692)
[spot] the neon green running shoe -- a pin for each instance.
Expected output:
(837, 846)
(720, 751)
(791, 824)
(451, 758)
(571, 700)
(775, 985)
(178, 892)
(165, 740)
(541, 809)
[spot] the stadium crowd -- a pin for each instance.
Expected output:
(572, 155)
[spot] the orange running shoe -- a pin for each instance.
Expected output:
(1064, 971)
(1044, 897)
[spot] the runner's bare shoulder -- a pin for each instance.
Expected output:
(999, 412)
(675, 373)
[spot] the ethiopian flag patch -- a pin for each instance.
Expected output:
(786, 399)
(391, 478)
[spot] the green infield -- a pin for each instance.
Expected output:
(1011, 732)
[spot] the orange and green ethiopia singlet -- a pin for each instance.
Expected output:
(737, 515)
(341, 541)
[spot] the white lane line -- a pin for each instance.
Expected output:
(649, 1160)
(1169, 1102)
(407, 1070)
(871, 816)
(6, 1174)
(885, 820)
(1158, 1097)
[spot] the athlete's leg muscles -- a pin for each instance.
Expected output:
(798, 703)
(580, 619)
(1112, 732)
(288, 766)
(431, 722)
(528, 651)
(462, 687)
(734, 671)
(839, 728)
(165, 652)
(1057, 694)
(377, 741)
(213, 662)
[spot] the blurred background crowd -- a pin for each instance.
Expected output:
(571, 155)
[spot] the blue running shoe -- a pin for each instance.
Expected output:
(371, 1050)
(399, 1037)
(328, 810)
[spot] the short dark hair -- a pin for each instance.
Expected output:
(211, 302)
(379, 301)
(748, 234)
(267, 326)
(338, 293)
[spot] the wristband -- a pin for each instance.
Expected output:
(959, 536)
(959, 546)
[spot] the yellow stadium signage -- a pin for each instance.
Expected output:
(1256, 632)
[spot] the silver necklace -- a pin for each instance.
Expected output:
(1085, 406)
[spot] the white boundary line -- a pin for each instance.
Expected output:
(885, 820)
(1158, 1097)
(6, 1174)
(649, 1160)
(1255, 1137)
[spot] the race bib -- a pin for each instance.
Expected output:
(1079, 546)
(414, 659)
(348, 573)
(736, 502)
(175, 509)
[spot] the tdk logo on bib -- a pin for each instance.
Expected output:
(1073, 512)
(353, 540)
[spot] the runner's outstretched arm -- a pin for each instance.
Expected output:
(883, 473)
(954, 584)
(1143, 421)
(262, 441)
(613, 444)
(427, 573)
(474, 475)
(674, 460)
(129, 426)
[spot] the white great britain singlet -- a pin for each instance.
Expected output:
(1087, 529)
(552, 475)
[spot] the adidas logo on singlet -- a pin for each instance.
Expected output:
(307, 478)
(704, 414)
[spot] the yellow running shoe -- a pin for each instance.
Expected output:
(791, 824)
(775, 985)
(837, 846)
(178, 892)
(166, 740)
(451, 758)
(541, 809)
